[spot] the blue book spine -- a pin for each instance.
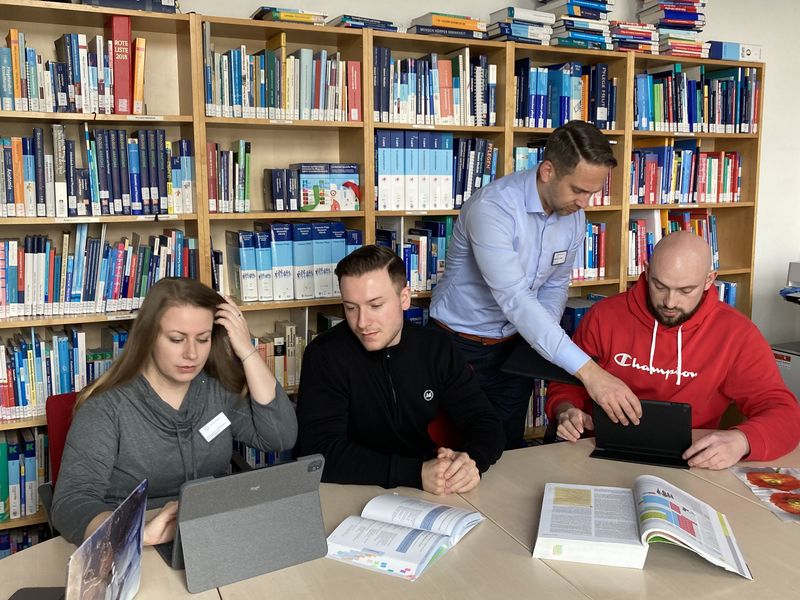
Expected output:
(322, 259)
(302, 250)
(264, 265)
(354, 239)
(338, 250)
(282, 261)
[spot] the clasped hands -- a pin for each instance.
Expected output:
(450, 472)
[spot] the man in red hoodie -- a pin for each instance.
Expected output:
(671, 339)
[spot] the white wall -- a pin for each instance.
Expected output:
(769, 23)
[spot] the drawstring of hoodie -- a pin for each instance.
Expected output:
(680, 351)
(183, 457)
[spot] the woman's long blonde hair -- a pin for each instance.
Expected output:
(165, 294)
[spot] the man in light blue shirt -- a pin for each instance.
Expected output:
(508, 270)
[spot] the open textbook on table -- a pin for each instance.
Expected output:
(613, 526)
(400, 536)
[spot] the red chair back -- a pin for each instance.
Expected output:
(59, 418)
(443, 433)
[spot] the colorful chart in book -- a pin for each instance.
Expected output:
(657, 507)
(373, 559)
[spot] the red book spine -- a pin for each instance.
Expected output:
(118, 30)
(354, 90)
(211, 163)
(601, 251)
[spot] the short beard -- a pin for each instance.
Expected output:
(679, 319)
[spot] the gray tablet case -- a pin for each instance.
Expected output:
(250, 523)
(661, 437)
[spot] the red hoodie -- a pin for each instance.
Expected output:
(716, 357)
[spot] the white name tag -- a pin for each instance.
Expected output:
(559, 258)
(214, 427)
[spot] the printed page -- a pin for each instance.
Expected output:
(385, 547)
(585, 512)
(665, 510)
(777, 487)
(420, 514)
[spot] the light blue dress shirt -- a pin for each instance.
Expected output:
(508, 268)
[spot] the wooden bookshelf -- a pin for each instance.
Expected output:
(35, 519)
(23, 423)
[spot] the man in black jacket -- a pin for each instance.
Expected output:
(370, 387)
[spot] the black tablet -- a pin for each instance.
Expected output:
(663, 434)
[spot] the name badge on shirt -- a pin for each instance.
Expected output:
(214, 427)
(559, 258)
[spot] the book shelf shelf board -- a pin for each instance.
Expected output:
(286, 215)
(284, 304)
(604, 208)
(281, 123)
(478, 131)
(721, 273)
(638, 133)
(423, 44)
(27, 322)
(417, 213)
(582, 283)
(712, 205)
(35, 519)
(21, 423)
(654, 61)
(296, 33)
(100, 219)
(133, 120)
(77, 15)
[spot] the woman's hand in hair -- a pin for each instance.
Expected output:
(231, 318)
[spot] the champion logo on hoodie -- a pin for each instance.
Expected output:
(626, 360)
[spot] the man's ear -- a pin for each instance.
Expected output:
(405, 298)
(547, 171)
(710, 278)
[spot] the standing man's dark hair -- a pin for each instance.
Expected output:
(574, 141)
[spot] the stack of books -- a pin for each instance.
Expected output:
(289, 15)
(581, 23)
(679, 23)
(634, 37)
(522, 25)
(459, 26)
(354, 22)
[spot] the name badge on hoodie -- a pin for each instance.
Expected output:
(214, 427)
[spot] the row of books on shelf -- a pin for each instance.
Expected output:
(551, 96)
(523, 25)
(536, 417)
(678, 172)
(88, 274)
(16, 540)
(645, 231)
(528, 157)
(697, 100)
(426, 170)
(284, 261)
(318, 187)
(271, 84)
(282, 351)
(101, 74)
(436, 89)
(51, 361)
(590, 261)
(138, 175)
(423, 248)
(24, 466)
(260, 458)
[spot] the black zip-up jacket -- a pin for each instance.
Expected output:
(368, 412)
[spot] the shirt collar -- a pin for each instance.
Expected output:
(533, 203)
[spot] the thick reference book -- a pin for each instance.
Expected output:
(613, 526)
(400, 536)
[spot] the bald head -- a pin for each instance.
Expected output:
(678, 273)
